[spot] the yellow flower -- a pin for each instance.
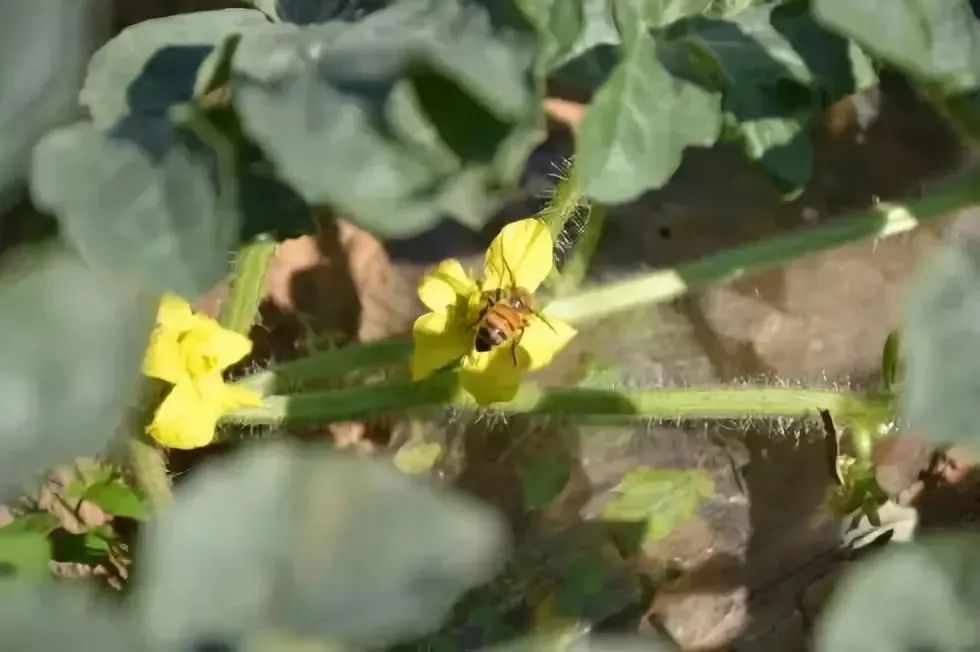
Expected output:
(190, 351)
(521, 256)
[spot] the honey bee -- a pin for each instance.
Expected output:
(503, 318)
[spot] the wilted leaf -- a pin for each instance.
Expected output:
(543, 478)
(776, 69)
(64, 617)
(115, 498)
(315, 543)
(941, 346)
(662, 498)
(417, 111)
(635, 131)
(73, 339)
(153, 65)
(139, 200)
(24, 554)
(914, 596)
(938, 40)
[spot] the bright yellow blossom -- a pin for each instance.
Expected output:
(190, 351)
(520, 256)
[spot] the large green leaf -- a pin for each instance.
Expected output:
(420, 110)
(24, 555)
(65, 617)
(941, 348)
(154, 65)
(635, 131)
(116, 498)
(938, 40)
(915, 596)
(140, 200)
(312, 542)
(73, 339)
(661, 498)
(776, 69)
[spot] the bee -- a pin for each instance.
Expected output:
(503, 317)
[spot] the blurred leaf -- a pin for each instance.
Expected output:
(87, 548)
(24, 554)
(663, 498)
(569, 29)
(304, 12)
(543, 478)
(36, 522)
(913, 596)
(314, 543)
(153, 65)
(423, 109)
(73, 340)
(639, 123)
(138, 200)
(941, 347)
(417, 456)
(64, 617)
(776, 69)
(118, 499)
(935, 40)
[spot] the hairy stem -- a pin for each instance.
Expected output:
(242, 305)
(674, 403)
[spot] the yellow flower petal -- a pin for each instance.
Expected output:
(492, 376)
(442, 287)
(164, 358)
(543, 339)
(175, 313)
(522, 255)
(438, 339)
(223, 346)
(185, 419)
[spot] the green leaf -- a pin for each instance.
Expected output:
(36, 522)
(115, 498)
(941, 347)
(153, 65)
(423, 109)
(322, 524)
(73, 340)
(935, 40)
(891, 362)
(65, 617)
(776, 69)
(569, 29)
(913, 596)
(543, 478)
(663, 498)
(88, 548)
(24, 554)
(139, 200)
(635, 130)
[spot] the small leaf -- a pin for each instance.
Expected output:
(417, 456)
(543, 478)
(153, 65)
(941, 345)
(24, 554)
(914, 596)
(115, 498)
(74, 337)
(322, 524)
(139, 200)
(635, 130)
(663, 498)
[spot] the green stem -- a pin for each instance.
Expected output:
(577, 266)
(150, 470)
(880, 222)
(327, 365)
(565, 202)
(674, 403)
(242, 306)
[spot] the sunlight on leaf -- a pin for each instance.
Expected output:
(662, 498)
(315, 543)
